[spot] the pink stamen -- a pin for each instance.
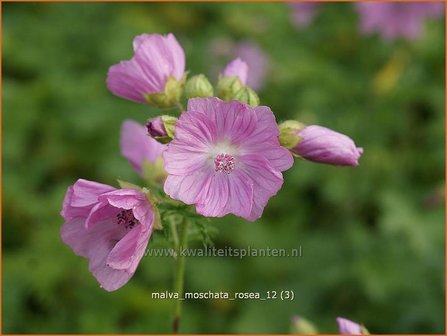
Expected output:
(224, 163)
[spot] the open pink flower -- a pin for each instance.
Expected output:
(111, 227)
(137, 146)
(156, 58)
(225, 158)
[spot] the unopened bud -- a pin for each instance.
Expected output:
(162, 128)
(319, 144)
(248, 96)
(302, 326)
(171, 96)
(198, 86)
(228, 86)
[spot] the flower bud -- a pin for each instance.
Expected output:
(248, 96)
(171, 95)
(348, 327)
(302, 326)
(198, 86)
(227, 87)
(287, 133)
(162, 128)
(319, 144)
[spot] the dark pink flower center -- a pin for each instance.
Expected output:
(126, 218)
(224, 163)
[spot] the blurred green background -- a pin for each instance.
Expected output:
(372, 237)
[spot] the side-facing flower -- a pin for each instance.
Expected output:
(155, 73)
(225, 158)
(138, 147)
(110, 227)
(348, 327)
(162, 128)
(397, 19)
(319, 144)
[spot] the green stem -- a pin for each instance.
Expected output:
(179, 275)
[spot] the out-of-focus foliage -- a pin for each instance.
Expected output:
(372, 237)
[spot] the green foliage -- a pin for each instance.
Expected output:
(372, 237)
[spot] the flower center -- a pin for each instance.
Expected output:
(126, 218)
(224, 163)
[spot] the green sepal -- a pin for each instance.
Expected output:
(171, 96)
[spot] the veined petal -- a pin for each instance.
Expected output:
(81, 197)
(266, 181)
(128, 252)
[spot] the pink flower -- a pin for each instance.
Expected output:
(137, 146)
(111, 227)
(321, 144)
(225, 158)
(237, 68)
(397, 19)
(156, 58)
(348, 327)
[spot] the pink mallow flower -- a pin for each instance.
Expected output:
(397, 19)
(137, 146)
(348, 327)
(156, 58)
(237, 68)
(323, 145)
(225, 158)
(111, 227)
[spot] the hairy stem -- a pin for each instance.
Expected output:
(180, 274)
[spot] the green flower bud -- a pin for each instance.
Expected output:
(227, 86)
(171, 96)
(198, 86)
(288, 130)
(248, 96)
(302, 326)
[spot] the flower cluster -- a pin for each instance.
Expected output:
(223, 154)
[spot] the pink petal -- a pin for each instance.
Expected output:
(237, 68)
(137, 146)
(228, 193)
(266, 181)
(234, 120)
(127, 253)
(189, 188)
(81, 197)
(96, 244)
(264, 140)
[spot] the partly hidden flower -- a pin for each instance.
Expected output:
(348, 327)
(237, 68)
(247, 51)
(232, 84)
(155, 73)
(138, 147)
(225, 158)
(397, 19)
(110, 227)
(319, 144)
